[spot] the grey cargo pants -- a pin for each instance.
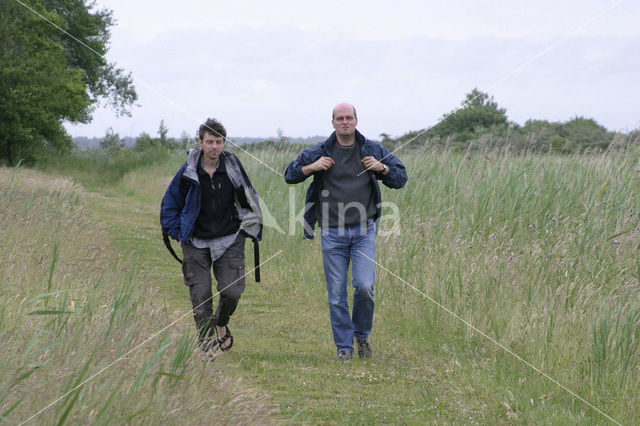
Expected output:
(229, 273)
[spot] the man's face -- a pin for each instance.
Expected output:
(344, 120)
(212, 145)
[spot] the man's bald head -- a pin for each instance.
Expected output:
(342, 107)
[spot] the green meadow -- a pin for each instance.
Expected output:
(507, 292)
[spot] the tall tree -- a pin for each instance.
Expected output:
(47, 77)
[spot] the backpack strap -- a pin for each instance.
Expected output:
(256, 258)
(165, 238)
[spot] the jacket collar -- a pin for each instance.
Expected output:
(193, 162)
(220, 168)
(193, 156)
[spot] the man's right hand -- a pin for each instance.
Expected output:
(322, 163)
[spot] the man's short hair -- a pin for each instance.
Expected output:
(355, 115)
(213, 127)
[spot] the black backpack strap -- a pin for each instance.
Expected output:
(256, 258)
(165, 238)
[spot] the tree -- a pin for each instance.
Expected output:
(477, 111)
(586, 133)
(539, 133)
(558, 144)
(162, 134)
(112, 141)
(387, 141)
(47, 78)
(145, 142)
(91, 32)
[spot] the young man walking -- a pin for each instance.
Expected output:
(344, 198)
(210, 207)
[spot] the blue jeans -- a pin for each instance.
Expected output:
(355, 243)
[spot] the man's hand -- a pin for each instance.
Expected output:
(371, 163)
(322, 163)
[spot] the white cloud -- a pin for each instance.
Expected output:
(260, 66)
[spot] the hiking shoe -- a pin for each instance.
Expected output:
(364, 349)
(343, 355)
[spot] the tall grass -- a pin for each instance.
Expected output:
(538, 251)
(98, 168)
(77, 326)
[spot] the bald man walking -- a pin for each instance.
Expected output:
(344, 198)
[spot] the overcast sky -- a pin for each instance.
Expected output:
(261, 66)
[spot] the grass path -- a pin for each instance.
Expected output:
(283, 346)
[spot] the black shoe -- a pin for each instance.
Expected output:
(343, 355)
(364, 349)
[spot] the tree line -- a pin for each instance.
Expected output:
(49, 76)
(480, 124)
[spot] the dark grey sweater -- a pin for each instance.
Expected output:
(346, 199)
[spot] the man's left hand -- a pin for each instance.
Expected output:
(371, 163)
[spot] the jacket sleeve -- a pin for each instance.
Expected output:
(293, 173)
(397, 176)
(172, 205)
